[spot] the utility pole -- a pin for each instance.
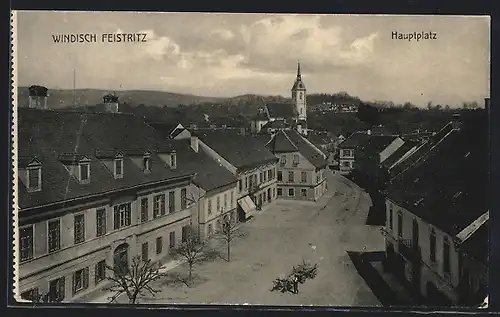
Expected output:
(74, 88)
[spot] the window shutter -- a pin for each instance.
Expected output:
(86, 278)
(162, 204)
(74, 283)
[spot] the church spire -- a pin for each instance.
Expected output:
(299, 76)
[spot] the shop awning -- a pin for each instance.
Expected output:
(248, 206)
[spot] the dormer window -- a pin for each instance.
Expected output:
(173, 160)
(118, 168)
(146, 163)
(84, 172)
(34, 178)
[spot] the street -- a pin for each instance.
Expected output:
(283, 235)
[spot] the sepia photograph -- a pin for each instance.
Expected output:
(325, 160)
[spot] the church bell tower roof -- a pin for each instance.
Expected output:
(298, 85)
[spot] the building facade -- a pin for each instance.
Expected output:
(118, 196)
(301, 167)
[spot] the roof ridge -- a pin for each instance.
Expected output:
(290, 140)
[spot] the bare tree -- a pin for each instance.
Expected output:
(229, 232)
(134, 280)
(191, 250)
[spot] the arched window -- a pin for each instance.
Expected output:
(120, 257)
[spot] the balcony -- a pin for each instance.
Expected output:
(410, 251)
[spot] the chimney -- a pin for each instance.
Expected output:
(38, 97)
(487, 105)
(194, 143)
(111, 103)
(456, 121)
(369, 132)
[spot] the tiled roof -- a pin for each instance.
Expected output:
(354, 140)
(449, 186)
(281, 110)
(261, 116)
(242, 151)
(281, 143)
(49, 134)
(292, 141)
(209, 173)
(164, 128)
(376, 143)
(421, 151)
(398, 154)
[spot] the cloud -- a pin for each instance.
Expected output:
(224, 34)
(158, 47)
(276, 42)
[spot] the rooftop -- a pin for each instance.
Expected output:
(354, 140)
(399, 153)
(49, 135)
(242, 151)
(281, 110)
(291, 141)
(450, 181)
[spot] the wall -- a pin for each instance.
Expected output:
(431, 271)
(346, 160)
(45, 267)
(210, 216)
(311, 184)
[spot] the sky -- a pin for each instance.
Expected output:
(224, 55)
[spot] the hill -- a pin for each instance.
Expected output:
(59, 98)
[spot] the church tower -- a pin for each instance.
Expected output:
(299, 96)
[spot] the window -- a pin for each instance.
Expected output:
(159, 245)
(432, 246)
(210, 229)
(173, 161)
(280, 192)
(400, 224)
(291, 192)
(146, 163)
(183, 198)
(446, 255)
(274, 192)
(56, 290)
(303, 177)
(391, 216)
(144, 209)
(218, 204)
(295, 160)
(240, 182)
(232, 200)
(184, 233)
(209, 207)
(84, 173)
(280, 176)
(80, 280)
(246, 182)
(79, 228)
(303, 192)
(100, 221)
(283, 160)
(260, 178)
(158, 200)
(291, 176)
(225, 201)
(171, 202)
(54, 235)
(122, 215)
(270, 174)
(31, 294)
(145, 252)
(100, 271)
(346, 152)
(119, 168)
(171, 241)
(26, 240)
(34, 179)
